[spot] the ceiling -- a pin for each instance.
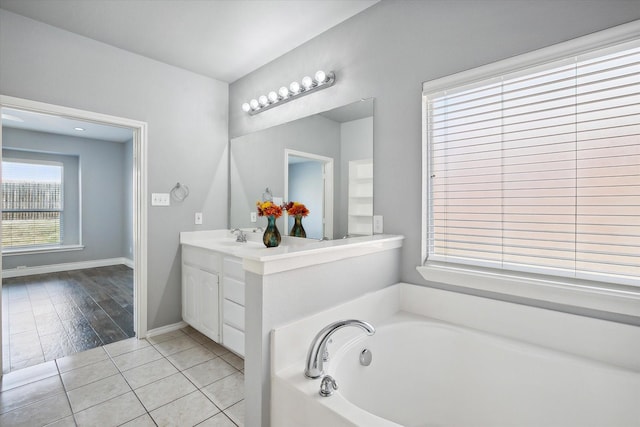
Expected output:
(222, 39)
(40, 122)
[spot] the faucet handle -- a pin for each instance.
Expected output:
(327, 386)
(241, 236)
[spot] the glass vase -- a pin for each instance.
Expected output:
(298, 230)
(271, 237)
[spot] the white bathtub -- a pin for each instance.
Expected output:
(426, 373)
(446, 359)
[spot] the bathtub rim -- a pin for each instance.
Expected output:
(290, 342)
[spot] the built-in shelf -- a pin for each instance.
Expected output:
(360, 215)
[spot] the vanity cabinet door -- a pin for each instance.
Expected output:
(201, 291)
(190, 286)
(209, 306)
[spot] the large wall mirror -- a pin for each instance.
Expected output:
(324, 161)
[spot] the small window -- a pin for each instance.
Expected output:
(539, 170)
(32, 203)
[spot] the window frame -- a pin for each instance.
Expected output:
(40, 246)
(42, 158)
(601, 296)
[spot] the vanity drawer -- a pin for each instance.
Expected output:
(233, 339)
(233, 290)
(233, 314)
(233, 268)
(202, 258)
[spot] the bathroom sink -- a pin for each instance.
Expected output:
(232, 243)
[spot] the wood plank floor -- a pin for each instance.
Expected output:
(48, 316)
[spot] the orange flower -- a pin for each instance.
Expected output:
(295, 208)
(268, 209)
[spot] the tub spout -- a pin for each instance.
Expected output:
(318, 350)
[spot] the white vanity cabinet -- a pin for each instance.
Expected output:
(200, 290)
(213, 295)
(233, 304)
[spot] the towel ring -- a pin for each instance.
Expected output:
(179, 192)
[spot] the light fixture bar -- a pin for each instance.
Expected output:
(252, 109)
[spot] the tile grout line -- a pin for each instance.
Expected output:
(120, 372)
(66, 394)
(222, 411)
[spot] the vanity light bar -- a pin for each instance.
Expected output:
(321, 80)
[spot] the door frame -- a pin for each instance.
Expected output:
(327, 174)
(139, 193)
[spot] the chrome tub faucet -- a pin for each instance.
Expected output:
(318, 354)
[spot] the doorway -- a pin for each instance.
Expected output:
(309, 180)
(137, 172)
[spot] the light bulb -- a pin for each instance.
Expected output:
(283, 92)
(307, 82)
(254, 104)
(273, 97)
(246, 107)
(263, 101)
(294, 87)
(321, 77)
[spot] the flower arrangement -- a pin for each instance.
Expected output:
(268, 208)
(296, 208)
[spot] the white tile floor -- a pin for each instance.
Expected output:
(177, 379)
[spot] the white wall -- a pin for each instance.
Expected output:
(387, 51)
(186, 114)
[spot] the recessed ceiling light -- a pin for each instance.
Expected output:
(79, 129)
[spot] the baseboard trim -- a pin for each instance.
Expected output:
(55, 268)
(128, 262)
(166, 329)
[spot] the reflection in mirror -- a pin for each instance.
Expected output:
(309, 180)
(290, 158)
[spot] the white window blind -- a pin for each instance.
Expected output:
(31, 203)
(539, 170)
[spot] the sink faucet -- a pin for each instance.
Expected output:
(241, 236)
(318, 354)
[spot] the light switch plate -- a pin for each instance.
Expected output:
(378, 225)
(254, 217)
(160, 199)
(198, 218)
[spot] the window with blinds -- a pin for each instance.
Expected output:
(539, 170)
(32, 204)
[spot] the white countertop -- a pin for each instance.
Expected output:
(292, 253)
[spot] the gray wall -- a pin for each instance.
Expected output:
(187, 117)
(387, 51)
(102, 185)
